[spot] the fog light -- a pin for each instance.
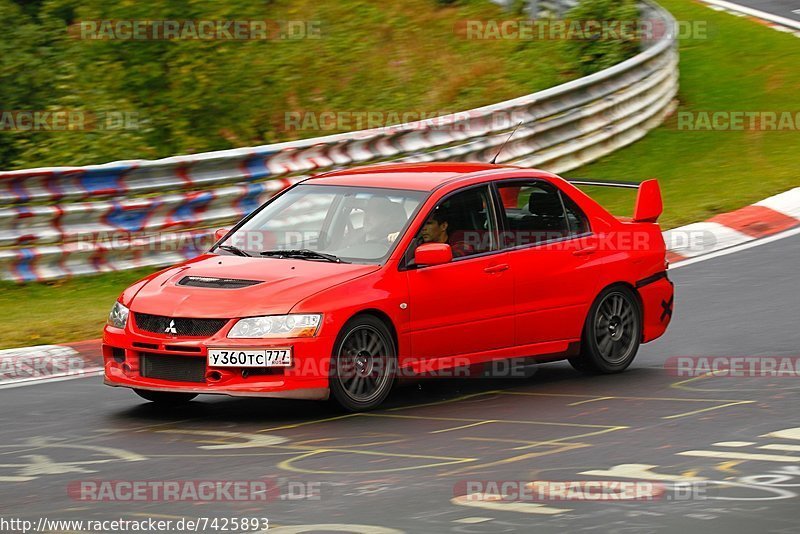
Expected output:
(118, 354)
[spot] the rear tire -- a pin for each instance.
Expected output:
(363, 366)
(612, 332)
(165, 398)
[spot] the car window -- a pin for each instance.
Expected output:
(464, 220)
(577, 221)
(296, 225)
(356, 224)
(534, 213)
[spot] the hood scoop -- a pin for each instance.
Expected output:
(216, 283)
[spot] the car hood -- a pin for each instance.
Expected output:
(282, 283)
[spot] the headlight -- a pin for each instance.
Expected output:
(118, 316)
(276, 326)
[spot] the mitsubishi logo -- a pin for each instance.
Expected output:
(171, 328)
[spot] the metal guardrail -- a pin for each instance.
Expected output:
(538, 8)
(62, 221)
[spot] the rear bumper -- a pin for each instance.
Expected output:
(657, 303)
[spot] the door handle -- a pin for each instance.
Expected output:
(496, 268)
(586, 251)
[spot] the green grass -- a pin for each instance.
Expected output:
(59, 311)
(742, 66)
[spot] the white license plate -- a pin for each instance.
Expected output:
(281, 357)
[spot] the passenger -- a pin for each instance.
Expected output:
(383, 220)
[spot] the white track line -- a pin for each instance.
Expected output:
(777, 19)
(736, 248)
(37, 380)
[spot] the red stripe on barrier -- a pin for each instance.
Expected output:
(90, 350)
(756, 221)
(674, 257)
(182, 172)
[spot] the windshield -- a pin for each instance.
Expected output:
(353, 224)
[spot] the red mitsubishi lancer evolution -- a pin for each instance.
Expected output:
(348, 280)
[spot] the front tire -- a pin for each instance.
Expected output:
(612, 333)
(165, 398)
(364, 364)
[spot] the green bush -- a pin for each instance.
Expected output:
(592, 55)
(190, 96)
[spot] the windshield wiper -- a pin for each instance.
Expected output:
(234, 250)
(303, 253)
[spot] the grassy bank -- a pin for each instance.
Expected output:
(60, 311)
(740, 66)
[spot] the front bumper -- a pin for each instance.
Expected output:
(307, 378)
(318, 393)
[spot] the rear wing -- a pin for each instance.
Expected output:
(649, 205)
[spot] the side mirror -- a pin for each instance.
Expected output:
(433, 254)
(219, 234)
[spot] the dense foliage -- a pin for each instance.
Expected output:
(192, 95)
(617, 42)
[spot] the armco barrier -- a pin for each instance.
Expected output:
(62, 221)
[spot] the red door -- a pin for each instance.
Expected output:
(555, 262)
(462, 307)
(553, 289)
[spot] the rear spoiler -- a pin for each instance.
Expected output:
(649, 205)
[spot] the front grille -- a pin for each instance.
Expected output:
(216, 283)
(178, 326)
(175, 368)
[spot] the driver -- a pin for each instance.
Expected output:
(437, 230)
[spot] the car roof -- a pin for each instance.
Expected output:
(415, 176)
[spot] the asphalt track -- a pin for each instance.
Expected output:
(404, 467)
(789, 9)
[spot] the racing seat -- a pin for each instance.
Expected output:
(468, 232)
(469, 242)
(393, 218)
(546, 215)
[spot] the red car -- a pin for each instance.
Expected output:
(348, 280)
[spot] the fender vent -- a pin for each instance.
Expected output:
(216, 283)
